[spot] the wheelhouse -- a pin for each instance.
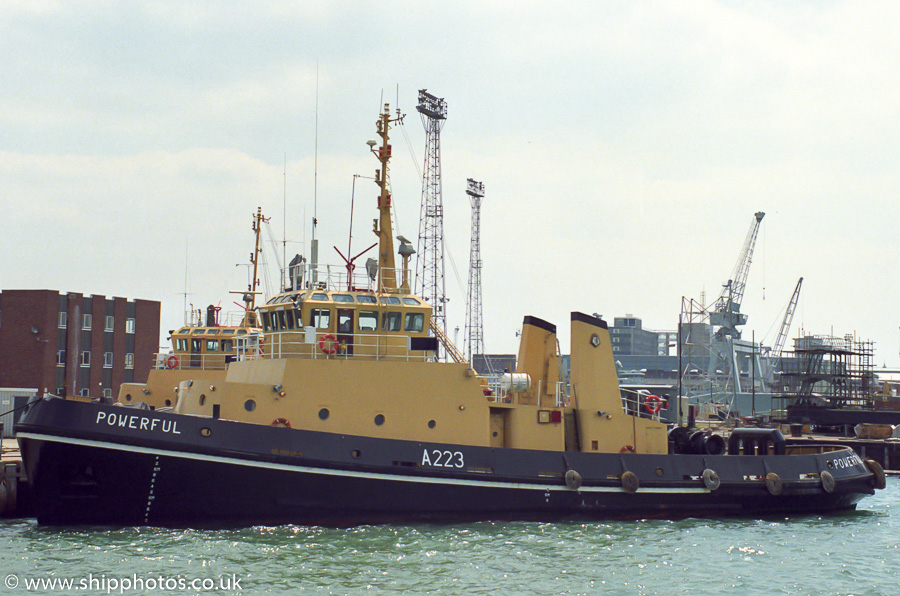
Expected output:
(359, 323)
(211, 348)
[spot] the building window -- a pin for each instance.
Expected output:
(129, 325)
(63, 319)
(86, 322)
(86, 359)
(109, 323)
(107, 359)
(85, 393)
(129, 360)
(107, 393)
(60, 358)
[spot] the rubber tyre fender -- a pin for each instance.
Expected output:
(630, 482)
(711, 479)
(879, 481)
(827, 481)
(774, 483)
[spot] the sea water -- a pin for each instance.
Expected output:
(849, 553)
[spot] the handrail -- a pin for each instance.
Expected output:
(452, 350)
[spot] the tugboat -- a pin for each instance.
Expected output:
(348, 416)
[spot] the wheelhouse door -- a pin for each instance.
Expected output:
(345, 330)
(196, 352)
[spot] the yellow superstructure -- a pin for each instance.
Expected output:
(356, 357)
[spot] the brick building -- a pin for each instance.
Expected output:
(71, 344)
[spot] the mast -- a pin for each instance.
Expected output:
(383, 228)
(250, 319)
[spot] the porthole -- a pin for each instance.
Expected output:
(202, 398)
(205, 432)
(659, 471)
(379, 420)
(432, 424)
(323, 414)
(249, 405)
(356, 453)
(127, 397)
(168, 402)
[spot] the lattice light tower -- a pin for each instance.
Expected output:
(474, 333)
(430, 256)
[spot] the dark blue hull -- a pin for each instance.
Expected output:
(150, 468)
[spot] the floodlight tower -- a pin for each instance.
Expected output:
(474, 333)
(430, 283)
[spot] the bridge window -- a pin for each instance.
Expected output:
(392, 321)
(411, 301)
(319, 296)
(212, 345)
(415, 322)
(267, 321)
(368, 320)
(289, 317)
(366, 299)
(320, 318)
(227, 345)
(342, 298)
(345, 321)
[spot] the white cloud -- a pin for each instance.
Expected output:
(624, 148)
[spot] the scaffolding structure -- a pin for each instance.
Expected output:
(836, 372)
(714, 368)
(430, 284)
(474, 331)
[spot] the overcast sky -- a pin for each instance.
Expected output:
(624, 147)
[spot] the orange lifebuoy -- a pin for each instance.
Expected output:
(627, 449)
(172, 362)
(281, 422)
(331, 348)
(653, 404)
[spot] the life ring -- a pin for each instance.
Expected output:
(332, 344)
(653, 404)
(627, 449)
(172, 362)
(281, 422)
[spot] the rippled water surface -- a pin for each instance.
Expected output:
(852, 553)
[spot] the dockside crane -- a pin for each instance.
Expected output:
(786, 323)
(727, 309)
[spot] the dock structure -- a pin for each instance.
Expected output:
(15, 493)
